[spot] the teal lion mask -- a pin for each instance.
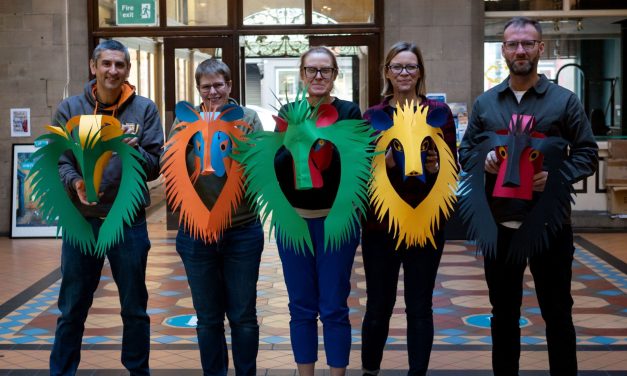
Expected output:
(309, 134)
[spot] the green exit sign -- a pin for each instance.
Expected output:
(135, 12)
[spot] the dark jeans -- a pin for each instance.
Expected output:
(80, 277)
(552, 274)
(223, 279)
(382, 265)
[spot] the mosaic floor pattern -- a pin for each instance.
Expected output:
(461, 309)
(460, 301)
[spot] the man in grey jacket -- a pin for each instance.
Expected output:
(108, 94)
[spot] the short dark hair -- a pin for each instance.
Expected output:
(522, 22)
(110, 44)
(398, 47)
(212, 66)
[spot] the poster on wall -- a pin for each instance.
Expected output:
(460, 116)
(20, 122)
(26, 219)
(440, 97)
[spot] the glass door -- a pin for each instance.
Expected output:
(270, 75)
(359, 80)
(181, 56)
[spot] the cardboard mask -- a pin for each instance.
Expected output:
(409, 135)
(211, 136)
(519, 160)
(308, 133)
(550, 209)
(92, 139)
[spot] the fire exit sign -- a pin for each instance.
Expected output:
(135, 12)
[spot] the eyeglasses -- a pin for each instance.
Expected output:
(217, 86)
(312, 72)
(527, 45)
(398, 68)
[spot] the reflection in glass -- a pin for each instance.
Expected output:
(598, 4)
(269, 75)
(197, 12)
(344, 11)
(509, 5)
(145, 85)
(107, 14)
(186, 61)
(142, 75)
(588, 67)
(274, 12)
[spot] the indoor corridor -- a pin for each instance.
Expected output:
(29, 271)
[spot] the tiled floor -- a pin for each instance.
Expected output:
(30, 279)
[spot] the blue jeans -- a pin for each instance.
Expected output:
(80, 275)
(223, 279)
(319, 283)
(552, 272)
(382, 265)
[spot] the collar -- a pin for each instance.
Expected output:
(540, 87)
(127, 91)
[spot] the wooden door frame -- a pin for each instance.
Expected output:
(169, 75)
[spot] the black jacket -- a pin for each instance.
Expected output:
(557, 111)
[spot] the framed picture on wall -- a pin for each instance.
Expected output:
(26, 219)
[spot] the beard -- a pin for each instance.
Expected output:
(518, 69)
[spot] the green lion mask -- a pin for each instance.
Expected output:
(92, 139)
(308, 133)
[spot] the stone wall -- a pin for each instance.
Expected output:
(450, 36)
(33, 72)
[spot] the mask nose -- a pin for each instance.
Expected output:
(207, 171)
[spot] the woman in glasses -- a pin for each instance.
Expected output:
(318, 283)
(222, 274)
(404, 82)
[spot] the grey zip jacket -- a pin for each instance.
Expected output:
(130, 109)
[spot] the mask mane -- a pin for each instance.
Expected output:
(92, 139)
(547, 213)
(413, 225)
(210, 137)
(309, 134)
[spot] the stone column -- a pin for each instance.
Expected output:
(450, 34)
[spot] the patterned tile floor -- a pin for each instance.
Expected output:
(462, 342)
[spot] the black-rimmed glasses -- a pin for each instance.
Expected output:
(312, 72)
(398, 68)
(527, 45)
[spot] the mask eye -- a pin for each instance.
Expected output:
(319, 144)
(424, 146)
(502, 152)
(397, 145)
(533, 155)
